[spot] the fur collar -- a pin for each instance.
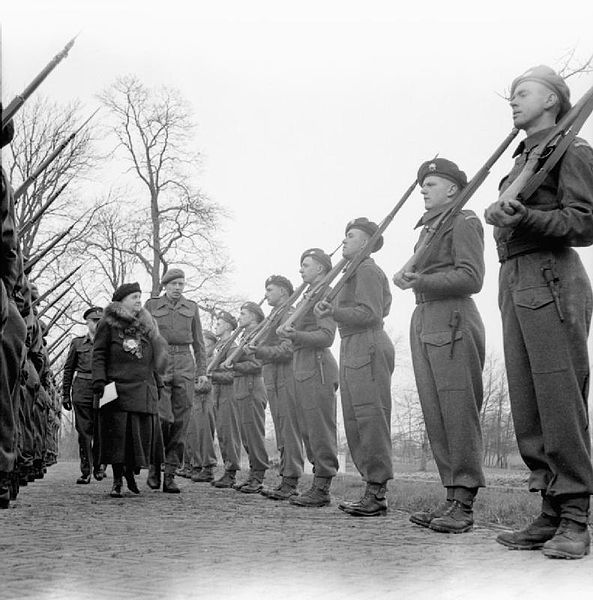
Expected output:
(117, 315)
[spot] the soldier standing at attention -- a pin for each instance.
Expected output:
(179, 323)
(366, 365)
(447, 342)
(276, 356)
(316, 379)
(545, 301)
(77, 392)
(251, 399)
(225, 405)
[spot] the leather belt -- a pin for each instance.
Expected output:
(80, 375)
(179, 348)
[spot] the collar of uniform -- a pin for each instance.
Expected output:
(530, 142)
(170, 302)
(431, 214)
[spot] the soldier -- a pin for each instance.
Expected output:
(179, 323)
(447, 342)
(316, 380)
(77, 392)
(200, 435)
(251, 399)
(366, 365)
(276, 356)
(545, 301)
(225, 405)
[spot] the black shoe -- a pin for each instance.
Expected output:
(84, 479)
(424, 518)
(226, 481)
(532, 537)
(132, 485)
(153, 481)
(116, 489)
(458, 518)
(4, 497)
(204, 475)
(571, 540)
(99, 474)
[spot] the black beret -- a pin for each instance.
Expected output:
(367, 226)
(281, 281)
(172, 274)
(548, 77)
(94, 312)
(125, 290)
(320, 256)
(226, 316)
(441, 167)
(255, 309)
(209, 335)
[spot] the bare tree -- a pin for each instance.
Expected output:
(174, 221)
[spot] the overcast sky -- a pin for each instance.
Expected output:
(312, 113)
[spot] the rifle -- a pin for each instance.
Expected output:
(20, 99)
(367, 250)
(60, 338)
(41, 211)
(545, 156)
(58, 314)
(436, 230)
(41, 313)
(25, 185)
(270, 323)
(55, 287)
(33, 261)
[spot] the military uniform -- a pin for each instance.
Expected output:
(78, 383)
(546, 302)
(179, 323)
(366, 365)
(448, 344)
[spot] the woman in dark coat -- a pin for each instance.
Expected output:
(129, 351)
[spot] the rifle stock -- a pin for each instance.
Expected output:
(436, 229)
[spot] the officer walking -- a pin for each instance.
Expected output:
(316, 381)
(448, 346)
(545, 301)
(366, 365)
(77, 392)
(179, 323)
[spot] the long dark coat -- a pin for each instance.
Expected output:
(129, 351)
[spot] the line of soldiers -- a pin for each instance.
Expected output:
(30, 405)
(546, 303)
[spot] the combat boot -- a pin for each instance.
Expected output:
(458, 518)
(153, 480)
(169, 485)
(4, 490)
(532, 537)
(99, 473)
(571, 540)
(316, 496)
(186, 471)
(424, 517)
(84, 479)
(131, 483)
(226, 481)
(284, 491)
(253, 485)
(204, 476)
(372, 504)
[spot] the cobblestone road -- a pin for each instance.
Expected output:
(63, 541)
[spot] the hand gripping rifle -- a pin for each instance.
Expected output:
(367, 250)
(270, 323)
(436, 230)
(218, 358)
(25, 185)
(9, 112)
(545, 156)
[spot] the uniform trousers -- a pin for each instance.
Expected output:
(175, 404)
(250, 394)
(366, 365)
(86, 422)
(227, 425)
(199, 444)
(279, 381)
(447, 340)
(548, 372)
